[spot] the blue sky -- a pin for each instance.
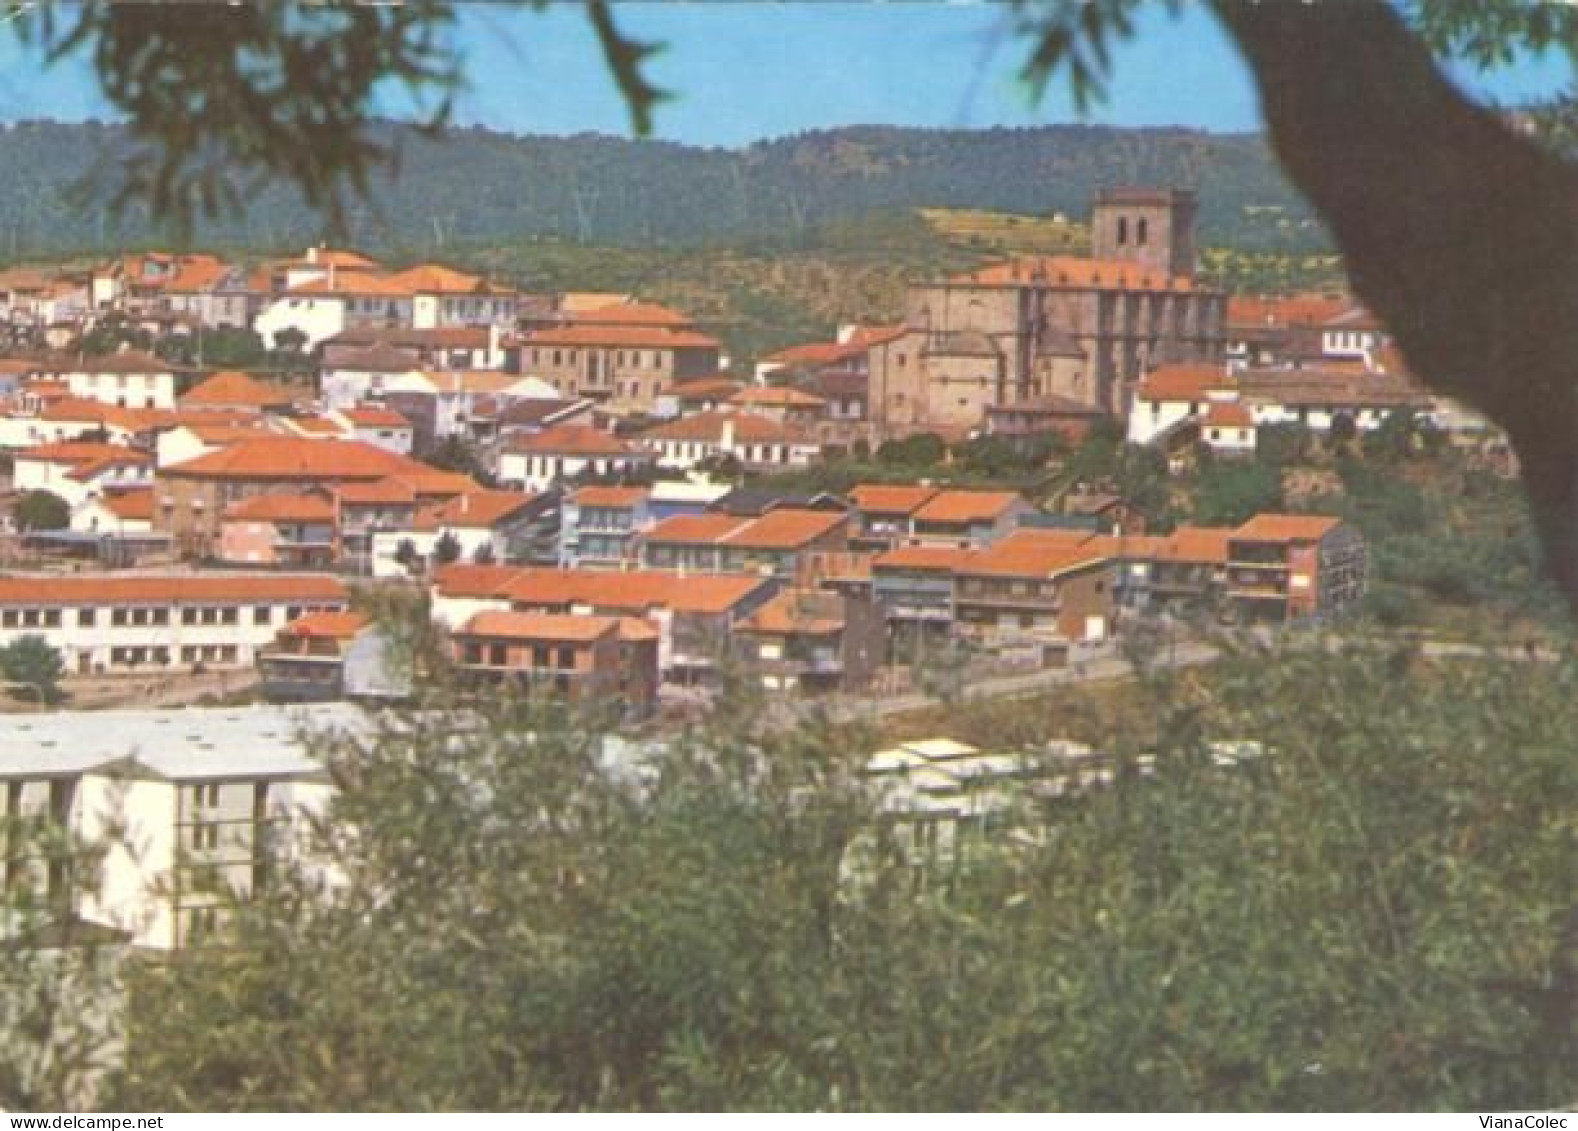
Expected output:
(747, 70)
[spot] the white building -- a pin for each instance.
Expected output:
(151, 623)
(191, 807)
(130, 379)
(564, 451)
(755, 441)
(80, 471)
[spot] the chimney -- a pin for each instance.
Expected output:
(726, 439)
(312, 254)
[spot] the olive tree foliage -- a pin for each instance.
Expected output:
(60, 987)
(1362, 901)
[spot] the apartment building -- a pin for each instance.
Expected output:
(884, 514)
(191, 497)
(967, 519)
(913, 585)
(694, 614)
(755, 442)
(590, 660)
(1035, 588)
(599, 526)
(120, 623)
(294, 530)
(776, 544)
(1287, 568)
(810, 641)
(564, 451)
(194, 808)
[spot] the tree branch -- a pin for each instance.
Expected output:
(1459, 234)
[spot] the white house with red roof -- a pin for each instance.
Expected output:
(481, 526)
(378, 425)
(755, 441)
(116, 512)
(77, 472)
(564, 451)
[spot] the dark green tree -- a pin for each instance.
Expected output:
(31, 662)
(1230, 492)
(446, 549)
(42, 510)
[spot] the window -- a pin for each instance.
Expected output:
(87, 617)
(567, 657)
(1141, 231)
(1123, 230)
(260, 614)
(539, 656)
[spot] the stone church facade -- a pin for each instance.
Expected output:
(1055, 329)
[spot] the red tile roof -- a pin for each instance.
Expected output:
(707, 427)
(1183, 382)
(817, 354)
(611, 496)
(374, 416)
(83, 452)
(231, 387)
(482, 510)
(632, 591)
(1286, 528)
(510, 625)
(573, 440)
(922, 559)
(633, 314)
(786, 528)
(326, 625)
(129, 505)
(1196, 544)
(281, 508)
(289, 457)
(1228, 414)
(637, 337)
(877, 498)
(798, 612)
(767, 396)
(1279, 311)
(431, 278)
(1036, 554)
(966, 506)
(182, 588)
(695, 529)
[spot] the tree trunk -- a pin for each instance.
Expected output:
(1460, 235)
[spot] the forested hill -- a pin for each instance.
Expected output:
(476, 185)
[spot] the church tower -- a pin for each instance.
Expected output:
(1152, 227)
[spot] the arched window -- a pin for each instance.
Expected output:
(1140, 232)
(1123, 230)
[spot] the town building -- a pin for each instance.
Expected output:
(191, 497)
(755, 442)
(193, 808)
(967, 518)
(295, 531)
(306, 662)
(776, 544)
(1291, 568)
(600, 662)
(695, 614)
(122, 623)
(599, 526)
(810, 641)
(565, 451)
(1035, 591)
(1083, 329)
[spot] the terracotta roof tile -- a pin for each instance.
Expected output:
(288, 457)
(1228, 414)
(1183, 382)
(769, 396)
(966, 506)
(510, 625)
(637, 337)
(182, 588)
(921, 559)
(1286, 528)
(327, 625)
(231, 387)
(481, 509)
(281, 508)
(708, 427)
(648, 314)
(878, 498)
(611, 496)
(571, 439)
(1036, 554)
